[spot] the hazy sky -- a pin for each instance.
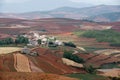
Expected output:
(40, 5)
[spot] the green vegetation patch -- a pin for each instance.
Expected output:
(10, 42)
(87, 77)
(111, 36)
(92, 49)
(69, 55)
(110, 66)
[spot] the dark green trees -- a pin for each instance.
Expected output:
(18, 40)
(39, 41)
(69, 55)
(90, 69)
(6, 41)
(21, 40)
(70, 44)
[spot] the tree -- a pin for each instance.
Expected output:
(39, 41)
(6, 41)
(21, 39)
(90, 69)
(70, 44)
(69, 55)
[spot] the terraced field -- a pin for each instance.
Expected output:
(49, 61)
(32, 76)
(6, 50)
(21, 63)
(52, 64)
(99, 59)
(16, 62)
(7, 63)
(110, 72)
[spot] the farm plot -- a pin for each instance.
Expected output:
(98, 59)
(6, 50)
(50, 63)
(21, 63)
(110, 72)
(7, 63)
(32, 76)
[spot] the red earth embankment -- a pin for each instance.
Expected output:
(51, 63)
(32, 76)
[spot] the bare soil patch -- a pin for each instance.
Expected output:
(32, 76)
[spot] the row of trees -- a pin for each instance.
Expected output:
(70, 44)
(88, 68)
(18, 40)
(69, 55)
(6, 41)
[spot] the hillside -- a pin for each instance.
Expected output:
(66, 12)
(46, 25)
(107, 17)
(32, 76)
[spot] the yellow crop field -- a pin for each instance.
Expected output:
(6, 50)
(21, 63)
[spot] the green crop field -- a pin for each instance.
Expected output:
(87, 76)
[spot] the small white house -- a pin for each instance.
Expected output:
(32, 42)
(58, 42)
(25, 50)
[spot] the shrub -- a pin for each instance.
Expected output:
(90, 69)
(115, 44)
(70, 44)
(69, 55)
(6, 41)
(39, 41)
(111, 36)
(114, 78)
(21, 39)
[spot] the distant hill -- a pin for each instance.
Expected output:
(107, 17)
(68, 12)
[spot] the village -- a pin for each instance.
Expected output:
(36, 39)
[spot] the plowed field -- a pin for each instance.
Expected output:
(21, 63)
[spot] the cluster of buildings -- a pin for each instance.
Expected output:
(34, 38)
(44, 40)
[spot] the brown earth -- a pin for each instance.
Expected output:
(50, 25)
(3, 36)
(31, 76)
(47, 62)
(110, 72)
(53, 63)
(115, 25)
(98, 59)
(7, 63)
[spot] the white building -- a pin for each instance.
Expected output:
(58, 42)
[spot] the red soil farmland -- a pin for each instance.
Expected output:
(32, 76)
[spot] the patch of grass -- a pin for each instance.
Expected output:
(111, 36)
(87, 76)
(79, 33)
(110, 66)
(92, 49)
(53, 48)
(13, 45)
